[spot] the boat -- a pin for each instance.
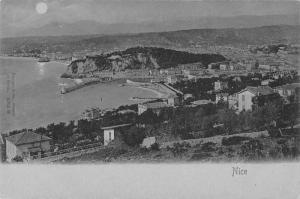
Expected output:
(43, 59)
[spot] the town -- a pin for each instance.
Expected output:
(216, 111)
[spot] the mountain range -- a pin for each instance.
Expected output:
(93, 27)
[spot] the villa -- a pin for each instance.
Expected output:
(27, 145)
(245, 96)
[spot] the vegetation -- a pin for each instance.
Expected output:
(140, 58)
(133, 136)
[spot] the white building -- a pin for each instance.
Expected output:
(27, 145)
(109, 132)
(245, 96)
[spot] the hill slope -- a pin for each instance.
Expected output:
(175, 39)
(139, 58)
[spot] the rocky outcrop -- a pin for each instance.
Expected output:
(138, 58)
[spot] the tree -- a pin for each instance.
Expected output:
(290, 113)
(229, 118)
(252, 150)
(148, 117)
(263, 116)
(133, 136)
(18, 159)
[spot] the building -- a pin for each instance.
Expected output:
(245, 96)
(173, 100)
(218, 85)
(27, 145)
(156, 107)
(288, 90)
(110, 133)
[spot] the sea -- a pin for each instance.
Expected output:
(35, 99)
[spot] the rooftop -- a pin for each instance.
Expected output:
(261, 90)
(115, 126)
(27, 137)
(289, 86)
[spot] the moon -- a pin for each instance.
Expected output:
(41, 8)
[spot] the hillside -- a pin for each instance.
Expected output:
(139, 58)
(174, 39)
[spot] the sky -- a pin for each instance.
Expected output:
(20, 13)
(17, 15)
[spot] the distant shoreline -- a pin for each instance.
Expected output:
(33, 58)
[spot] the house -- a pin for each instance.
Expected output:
(27, 145)
(245, 96)
(288, 90)
(156, 107)
(148, 142)
(110, 133)
(220, 85)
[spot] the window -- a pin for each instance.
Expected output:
(244, 107)
(243, 98)
(109, 136)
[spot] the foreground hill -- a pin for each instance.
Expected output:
(174, 39)
(139, 58)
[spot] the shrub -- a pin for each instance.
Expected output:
(252, 150)
(133, 136)
(273, 132)
(18, 159)
(209, 146)
(179, 148)
(155, 147)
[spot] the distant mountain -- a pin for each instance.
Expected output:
(173, 39)
(139, 58)
(93, 27)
